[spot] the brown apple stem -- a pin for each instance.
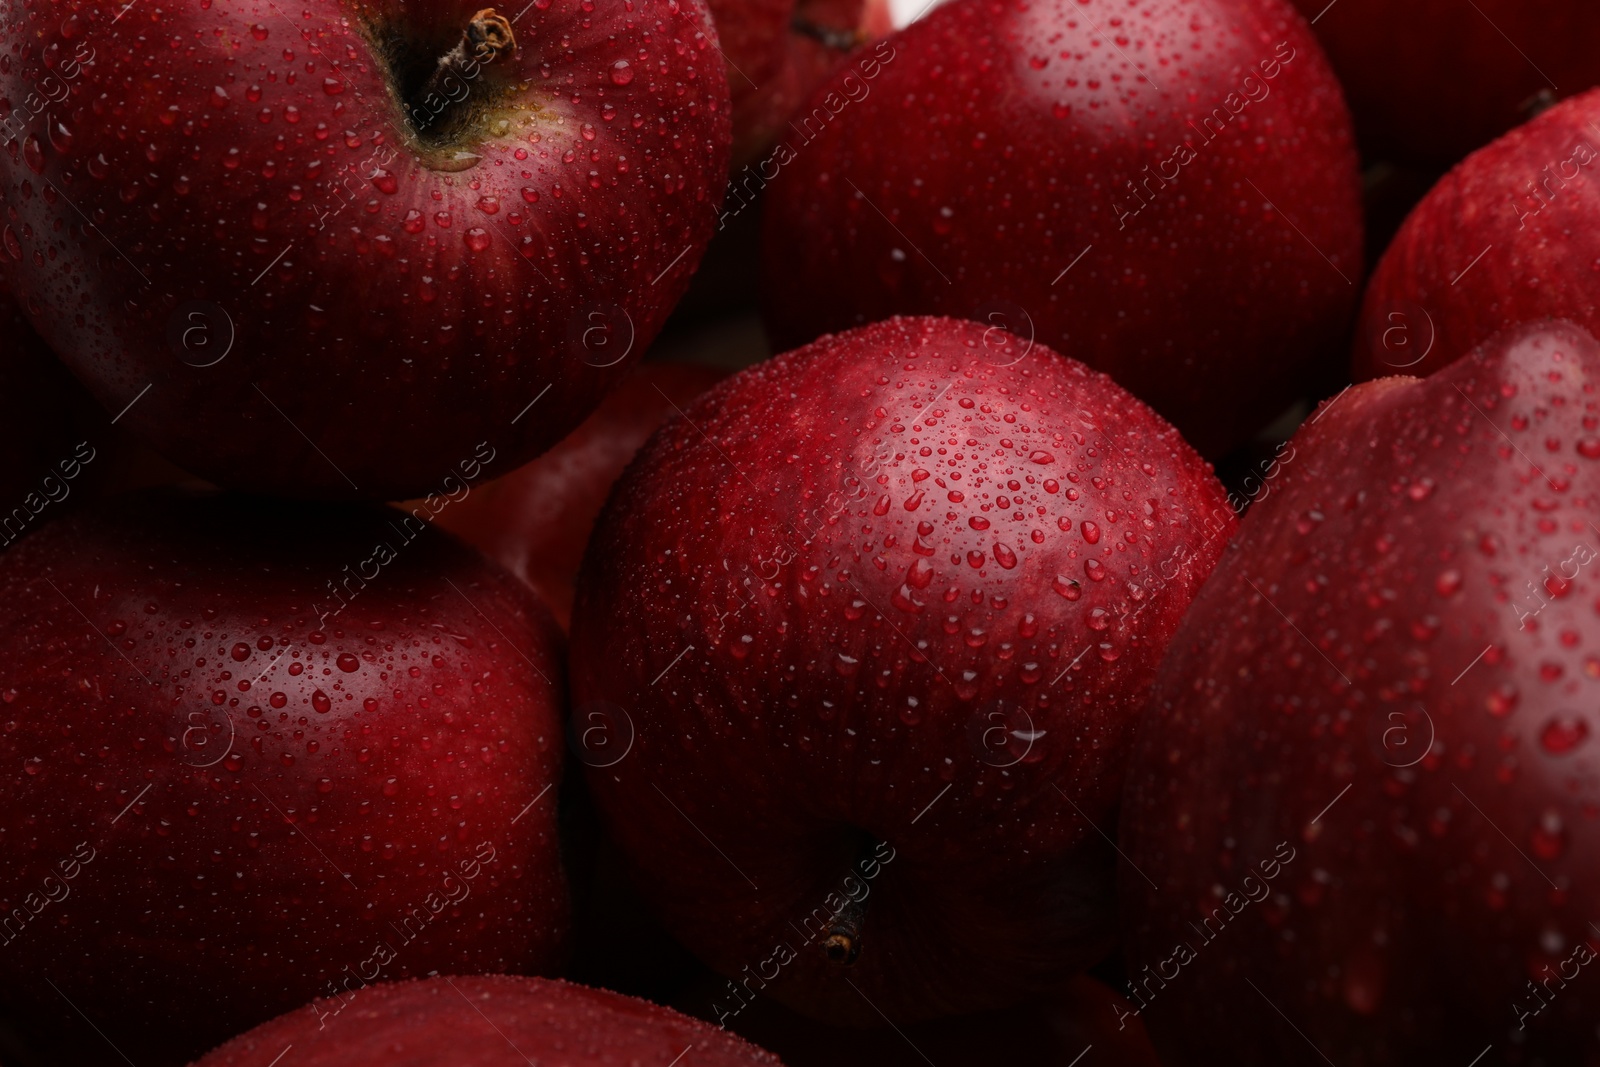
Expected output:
(838, 40)
(842, 942)
(1538, 104)
(486, 38)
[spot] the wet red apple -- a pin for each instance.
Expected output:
(1163, 189)
(491, 1021)
(856, 650)
(341, 245)
(1507, 237)
(536, 520)
(1363, 818)
(253, 752)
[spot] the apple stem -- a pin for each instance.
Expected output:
(486, 38)
(838, 40)
(843, 940)
(1538, 104)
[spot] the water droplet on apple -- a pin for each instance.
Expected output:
(33, 154)
(621, 72)
(1549, 838)
(1503, 700)
(1562, 734)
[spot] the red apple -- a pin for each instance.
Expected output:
(491, 1021)
(342, 245)
(49, 435)
(254, 752)
(1509, 236)
(1431, 80)
(855, 653)
(1363, 821)
(536, 520)
(778, 51)
(1164, 189)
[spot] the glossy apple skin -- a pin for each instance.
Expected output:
(884, 680)
(1440, 79)
(415, 310)
(536, 520)
(1506, 237)
(964, 181)
(773, 66)
(1356, 686)
(491, 1021)
(202, 911)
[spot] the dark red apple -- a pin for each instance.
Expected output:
(491, 1021)
(341, 245)
(1431, 80)
(777, 53)
(1363, 822)
(254, 752)
(1163, 189)
(49, 436)
(1511, 235)
(855, 653)
(536, 520)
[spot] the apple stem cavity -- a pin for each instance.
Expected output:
(436, 107)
